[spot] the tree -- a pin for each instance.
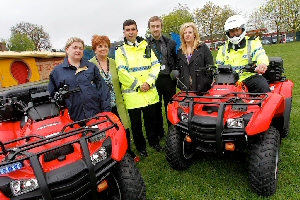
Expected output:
(256, 19)
(35, 32)
(173, 20)
(291, 15)
(211, 19)
(256, 23)
(20, 42)
(273, 15)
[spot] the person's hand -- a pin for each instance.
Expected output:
(261, 68)
(145, 87)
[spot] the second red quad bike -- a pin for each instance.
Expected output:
(229, 119)
(44, 155)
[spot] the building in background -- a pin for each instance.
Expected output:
(27, 66)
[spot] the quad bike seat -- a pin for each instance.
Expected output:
(10, 112)
(41, 107)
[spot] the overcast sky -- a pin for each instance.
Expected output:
(63, 19)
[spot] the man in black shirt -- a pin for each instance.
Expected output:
(165, 51)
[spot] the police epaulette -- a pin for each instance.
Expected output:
(119, 46)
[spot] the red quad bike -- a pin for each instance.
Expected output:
(45, 155)
(229, 119)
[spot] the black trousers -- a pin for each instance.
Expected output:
(257, 84)
(149, 123)
(166, 88)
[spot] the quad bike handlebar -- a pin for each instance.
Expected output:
(64, 93)
(223, 74)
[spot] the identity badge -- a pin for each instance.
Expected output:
(163, 67)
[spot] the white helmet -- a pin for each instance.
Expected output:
(235, 21)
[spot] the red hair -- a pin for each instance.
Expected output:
(98, 39)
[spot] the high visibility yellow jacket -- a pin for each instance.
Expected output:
(252, 52)
(134, 69)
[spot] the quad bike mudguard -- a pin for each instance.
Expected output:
(262, 119)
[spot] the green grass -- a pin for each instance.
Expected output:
(227, 178)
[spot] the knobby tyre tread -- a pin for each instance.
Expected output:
(175, 150)
(130, 180)
(263, 162)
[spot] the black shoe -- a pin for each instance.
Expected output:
(158, 148)
(144, 154)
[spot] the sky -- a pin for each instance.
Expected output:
(63, 19)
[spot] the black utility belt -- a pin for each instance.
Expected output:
(160, 74)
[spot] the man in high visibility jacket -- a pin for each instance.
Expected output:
(240, 50)
(138, 69)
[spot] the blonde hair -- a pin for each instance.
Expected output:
(197, 41)
(72, 40)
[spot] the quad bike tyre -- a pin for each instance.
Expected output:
(126, 182)
(263, 162)
(179, 156)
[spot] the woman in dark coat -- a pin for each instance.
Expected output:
(193, 59)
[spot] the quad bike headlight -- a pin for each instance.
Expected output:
(183, 116)
(22, 186)
(99, 156)
(235, 123)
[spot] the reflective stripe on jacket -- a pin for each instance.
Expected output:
(134, 69)
(240, 57)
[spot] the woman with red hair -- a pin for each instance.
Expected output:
(108, 71)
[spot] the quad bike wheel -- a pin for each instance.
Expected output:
(278, 124)
(125, 182)
(179, 153)
(263, 162)
(285, 131)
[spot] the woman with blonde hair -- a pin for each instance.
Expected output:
(193, 59)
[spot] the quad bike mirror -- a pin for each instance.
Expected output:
(174, 74)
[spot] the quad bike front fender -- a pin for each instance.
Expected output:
(172, 113)
(3, 197)
(118, 138)
(261, 120)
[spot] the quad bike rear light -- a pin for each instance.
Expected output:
(11, 168)
(235, 123)
(22, 186)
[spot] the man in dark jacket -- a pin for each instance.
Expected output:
(165, 51)
(94, 96)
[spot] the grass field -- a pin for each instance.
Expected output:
(227, 178)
